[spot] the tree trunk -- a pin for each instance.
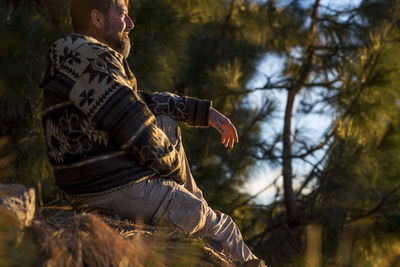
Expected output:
(304, 74)
(287, 172)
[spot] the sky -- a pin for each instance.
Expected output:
(313, 125)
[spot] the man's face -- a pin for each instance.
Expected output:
(117, 27)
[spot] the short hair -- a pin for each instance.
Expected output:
(81, 9)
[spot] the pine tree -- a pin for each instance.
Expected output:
(348, 58)
(360, 181)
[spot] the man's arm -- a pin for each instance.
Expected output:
(192, 111)
(98, 87)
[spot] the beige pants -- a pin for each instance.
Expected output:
(157, 199)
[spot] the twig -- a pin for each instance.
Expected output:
(256, 194)
(377, 208)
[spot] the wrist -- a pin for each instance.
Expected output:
(212, 116)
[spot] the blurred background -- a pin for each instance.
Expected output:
(312, 86)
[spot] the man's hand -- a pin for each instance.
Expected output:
(225, 127)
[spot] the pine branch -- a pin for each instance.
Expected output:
(313, 149)
(378, 207)
(310, 176)
(266, 109)
(255, 195)
(213, 50)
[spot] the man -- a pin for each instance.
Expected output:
(117, 150)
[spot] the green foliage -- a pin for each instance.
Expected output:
(27, 30)
(359, 184)
(349, 63)
(14, 252)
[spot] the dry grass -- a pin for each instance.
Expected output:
(62, 239)
(91, 240)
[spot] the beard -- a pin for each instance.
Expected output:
(119, 42)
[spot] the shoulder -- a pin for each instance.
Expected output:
(77, 54)
(78, 47)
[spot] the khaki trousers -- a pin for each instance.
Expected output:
(157, 199)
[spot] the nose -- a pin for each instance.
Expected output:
(129, 23)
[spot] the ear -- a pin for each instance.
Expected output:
(97, 19)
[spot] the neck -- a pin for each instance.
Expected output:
(94, 34)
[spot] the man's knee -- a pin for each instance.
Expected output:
(170, 127)
(187, 212)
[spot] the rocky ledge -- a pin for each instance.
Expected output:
(57, 236)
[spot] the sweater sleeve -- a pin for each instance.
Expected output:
(192, 111)
(98, 86)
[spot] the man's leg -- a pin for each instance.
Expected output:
(189, 210)
(184, 206)
(144, 201)
(173, 132)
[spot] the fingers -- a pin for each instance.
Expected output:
(225, 139)
(231, 136)
(229, 141)
(225, 134)
(226, 142)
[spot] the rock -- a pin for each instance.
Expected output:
(19, 201)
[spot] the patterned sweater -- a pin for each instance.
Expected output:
(100, 130)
